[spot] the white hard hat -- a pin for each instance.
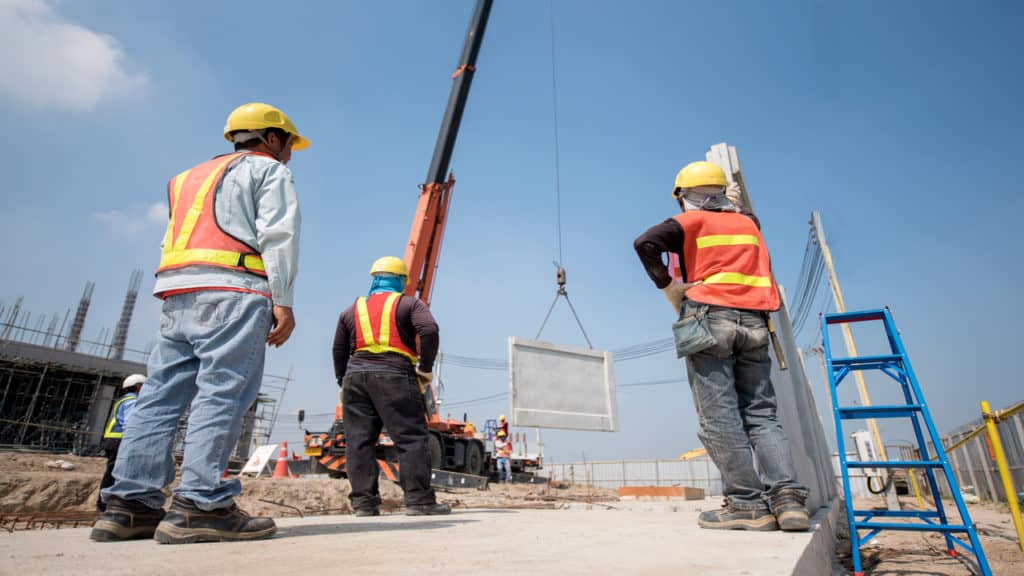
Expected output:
(133, 380)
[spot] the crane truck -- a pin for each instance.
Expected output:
(451, 448)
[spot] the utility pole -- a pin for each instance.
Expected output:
(851, 347)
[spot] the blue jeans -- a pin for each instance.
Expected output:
(504, 470)
(209, 358)
(735, 401)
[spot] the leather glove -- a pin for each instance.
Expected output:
(423, 379)
(676, 291)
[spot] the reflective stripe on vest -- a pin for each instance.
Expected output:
(110, 432)
(193, 236)
(376, 325)
(727, 252)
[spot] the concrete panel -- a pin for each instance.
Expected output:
(553, 386)
(797, 411)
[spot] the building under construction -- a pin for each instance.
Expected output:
(57, 389)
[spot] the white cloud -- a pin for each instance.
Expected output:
(158, 213)
(134, 220)
(48, 61)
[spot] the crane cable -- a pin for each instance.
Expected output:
(560, 270)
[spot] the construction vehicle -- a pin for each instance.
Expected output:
(451, 449)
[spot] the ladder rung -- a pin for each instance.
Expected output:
(895, 464)
(857, 360)
(896, 514)
(909, 526)
(863, 412)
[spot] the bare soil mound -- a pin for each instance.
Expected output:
(36, 483)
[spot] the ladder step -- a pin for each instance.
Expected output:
(860, 316)
(895, 514)
(861, 360)
(864, 412)
(894, 464)
(912, 527)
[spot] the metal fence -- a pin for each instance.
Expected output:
(974, 464)
(697, 473)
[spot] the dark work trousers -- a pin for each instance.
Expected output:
(392, 400)
(110, 446)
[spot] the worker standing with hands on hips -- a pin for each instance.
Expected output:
(723, 301)
(114, 431)
(382, 379)
(227, 278)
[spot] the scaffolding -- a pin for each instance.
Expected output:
(57, 389)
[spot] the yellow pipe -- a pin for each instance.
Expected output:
(1004, 470)
(862, 389)
(917, 491)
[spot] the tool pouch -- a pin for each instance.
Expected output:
(691, 332)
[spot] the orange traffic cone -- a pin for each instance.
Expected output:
(281, 468)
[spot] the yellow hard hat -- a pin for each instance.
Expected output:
(699, 174)
(260, 116)
(501, 433)
(389, 264)
(502, 417)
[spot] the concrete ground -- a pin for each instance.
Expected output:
(620, 538)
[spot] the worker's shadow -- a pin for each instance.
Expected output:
(346, 528)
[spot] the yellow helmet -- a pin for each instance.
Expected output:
(699, 174)
(389, 264)
(259, 116)
(502, 417)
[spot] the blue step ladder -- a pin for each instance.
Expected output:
(897, 366)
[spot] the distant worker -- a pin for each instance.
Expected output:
(503, 424)
(382, 378)
(503, 456)
(227, 279)
(727, 287)
(469, 430)
(114, 431)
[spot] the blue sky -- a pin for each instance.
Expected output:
(898, 121)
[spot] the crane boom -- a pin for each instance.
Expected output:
(424, 246)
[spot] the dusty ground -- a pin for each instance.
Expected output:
(893, 553)
(28, 486)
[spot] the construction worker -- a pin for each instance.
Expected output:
(503, 424)
(382, 379)
(114, 431)
(728, 288)
(469, 431)
(227, 278)
(503, 455)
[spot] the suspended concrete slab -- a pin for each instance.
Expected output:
(554, 386)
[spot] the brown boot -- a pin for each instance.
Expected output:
(186, 523)
(125, 520)
(788, 506)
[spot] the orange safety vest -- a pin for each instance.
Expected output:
(193, 235)
(503, 448)
(376, 326)
(727, 252)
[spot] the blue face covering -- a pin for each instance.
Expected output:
(386, 283)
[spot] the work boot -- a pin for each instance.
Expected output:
(729, 518)
(788, 506)
(186, 523)
(435, 509)
(375, 511)
(125, 520)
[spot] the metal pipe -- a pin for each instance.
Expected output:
(1004, 474)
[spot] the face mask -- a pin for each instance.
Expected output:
(693, 200)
